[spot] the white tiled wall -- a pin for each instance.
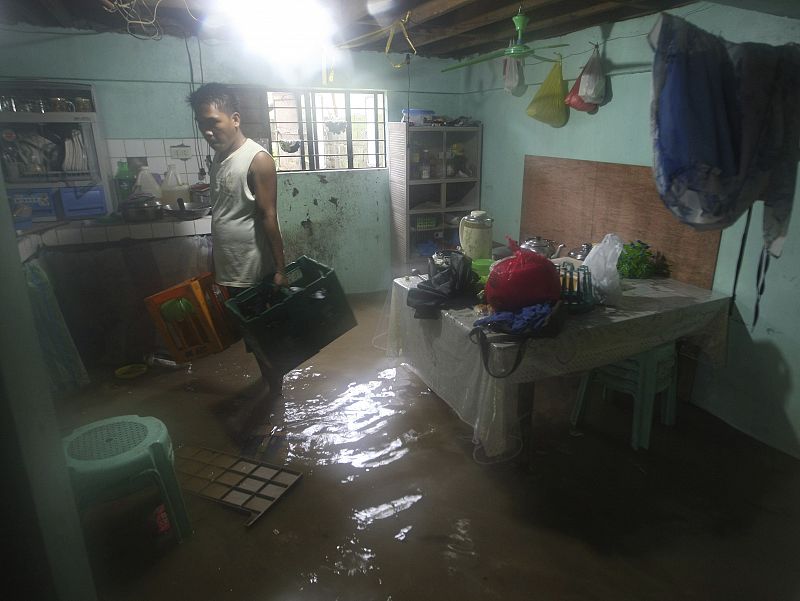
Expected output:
(89, 232)
(157, 152)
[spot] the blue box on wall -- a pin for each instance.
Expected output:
(81, 202)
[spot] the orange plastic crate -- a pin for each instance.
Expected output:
(203, 330)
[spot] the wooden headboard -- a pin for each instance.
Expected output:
(573, 201)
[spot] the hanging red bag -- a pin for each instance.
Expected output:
(575, 101)
(525, 279)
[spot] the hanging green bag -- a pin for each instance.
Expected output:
(548, 105)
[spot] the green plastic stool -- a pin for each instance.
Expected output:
(642, 376)
(120, 452)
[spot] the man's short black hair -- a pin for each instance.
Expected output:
(219, 94)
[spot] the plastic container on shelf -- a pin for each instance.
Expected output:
(146, 183)
(417, 116)
(172, 189)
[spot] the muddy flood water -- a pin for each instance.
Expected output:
(396, 503)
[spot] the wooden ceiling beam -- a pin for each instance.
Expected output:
(427, 11)
(461, 46)
(344, 11)
(433, 9)
(462, 27)
(59, 12)
(632, 10)
(197, 7)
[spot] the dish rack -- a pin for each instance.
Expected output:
(576, 287)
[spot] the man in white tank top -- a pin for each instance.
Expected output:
(244, 224)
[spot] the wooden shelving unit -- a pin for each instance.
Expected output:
(435, 179)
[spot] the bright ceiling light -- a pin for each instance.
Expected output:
(289, 33)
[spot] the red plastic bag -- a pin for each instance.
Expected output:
(523, 280)
(575, 101)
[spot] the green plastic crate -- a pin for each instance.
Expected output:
(426, 222)
(286, 327)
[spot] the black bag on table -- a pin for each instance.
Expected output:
(450, 288)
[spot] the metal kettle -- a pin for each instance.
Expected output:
(543, 246)
(581, 252)
(475, 235)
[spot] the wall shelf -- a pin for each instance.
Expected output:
(422, 161)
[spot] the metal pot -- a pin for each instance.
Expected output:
(188, 211)
(142, 207)
(542, 246)
(200, 194)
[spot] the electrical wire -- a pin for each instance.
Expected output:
(195, 130)
(200, 143)
(200, 54)
(129, 11)
(147, 21)
(188, 10)
(408, 92)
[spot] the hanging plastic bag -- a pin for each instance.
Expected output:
(602, 263)
(523, 280)
(513, 76)
(593, 80)
(573, 100)
(548, 105)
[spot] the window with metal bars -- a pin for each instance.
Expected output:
(315, 131)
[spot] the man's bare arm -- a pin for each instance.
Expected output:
(265, 189)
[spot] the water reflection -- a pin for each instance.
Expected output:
(460, 542)
(348, 427)
(365, 517)
(403, 533)
(353, 558)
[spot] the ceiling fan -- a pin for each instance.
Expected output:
(516, 49)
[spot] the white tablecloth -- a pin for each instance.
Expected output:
(439, 351)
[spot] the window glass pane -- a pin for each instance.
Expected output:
(309, 130)
(361, 102)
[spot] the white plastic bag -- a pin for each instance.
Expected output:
(602, 263)
(593, 81)
(514, 76)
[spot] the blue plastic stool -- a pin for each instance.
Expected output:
(119, 453)
(642, 376)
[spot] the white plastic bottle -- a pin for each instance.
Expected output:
(172, 188)
(146, 183)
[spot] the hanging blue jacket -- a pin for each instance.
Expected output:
(726, 127)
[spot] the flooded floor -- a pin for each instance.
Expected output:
(395, 503)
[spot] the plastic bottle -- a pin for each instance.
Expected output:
(123, 181)
(172, 188)
(146, 183)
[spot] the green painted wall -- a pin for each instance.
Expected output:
(141, 86)
(759, 390)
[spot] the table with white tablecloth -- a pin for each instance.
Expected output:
(652, 312)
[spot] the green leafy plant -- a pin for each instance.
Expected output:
(636, 260)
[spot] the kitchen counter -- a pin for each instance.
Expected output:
(92, 232)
